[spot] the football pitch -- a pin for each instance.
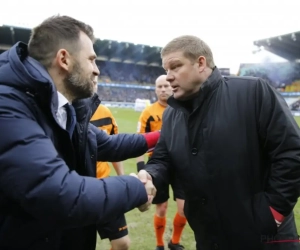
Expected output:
(140, 225)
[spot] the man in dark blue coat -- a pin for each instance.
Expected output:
(48, 196)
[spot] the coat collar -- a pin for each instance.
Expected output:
(85, 108)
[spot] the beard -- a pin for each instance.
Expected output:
(79, 85)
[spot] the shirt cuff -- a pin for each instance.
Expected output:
(277, 216)
(151, 139)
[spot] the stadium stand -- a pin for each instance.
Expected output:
(130, 94)
(118, 62)
(284, 76)
(128, 71)
(128, 66)
(286, 46)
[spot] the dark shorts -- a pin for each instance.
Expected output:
(114, 229)
(162, 194)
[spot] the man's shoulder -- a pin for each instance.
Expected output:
(17, 103)
(11, 94)
(169, 111)
(150, 107)
(102, 108)
(101, 112)
(241, 85)
(154, 109)
(147, 110)
(238, 81)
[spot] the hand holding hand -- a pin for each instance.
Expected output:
(146, 179)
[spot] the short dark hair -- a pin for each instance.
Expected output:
(55, 33)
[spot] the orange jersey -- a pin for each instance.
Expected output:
(151, 119)
(104, 120)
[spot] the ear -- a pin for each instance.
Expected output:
(201, 61)
(63, 59)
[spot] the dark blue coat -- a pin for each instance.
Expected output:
(45, 200)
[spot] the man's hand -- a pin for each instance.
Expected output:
(146, 179)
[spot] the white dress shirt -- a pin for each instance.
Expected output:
(61, 111)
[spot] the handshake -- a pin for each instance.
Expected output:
(146, 179)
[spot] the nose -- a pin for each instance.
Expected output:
(96, 70)
(170, 77)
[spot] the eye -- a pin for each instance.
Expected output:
(92, 59)
(175, 66)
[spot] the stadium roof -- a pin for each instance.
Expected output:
(106, 50)
(286, 46)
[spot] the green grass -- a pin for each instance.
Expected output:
(140, 225)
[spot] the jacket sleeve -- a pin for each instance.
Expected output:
(37, 180)
(280, 137)
(119, 147)
(158, 165)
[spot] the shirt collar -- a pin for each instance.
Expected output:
(61, 100)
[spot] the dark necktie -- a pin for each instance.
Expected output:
(71, 119)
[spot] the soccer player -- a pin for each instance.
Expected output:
(151, 120)
(116, 230)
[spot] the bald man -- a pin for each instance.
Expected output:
(151, 120)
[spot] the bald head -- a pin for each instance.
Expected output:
(161, 79)
(163, 89)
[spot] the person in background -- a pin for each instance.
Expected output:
(116, 230)
(151, 120)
